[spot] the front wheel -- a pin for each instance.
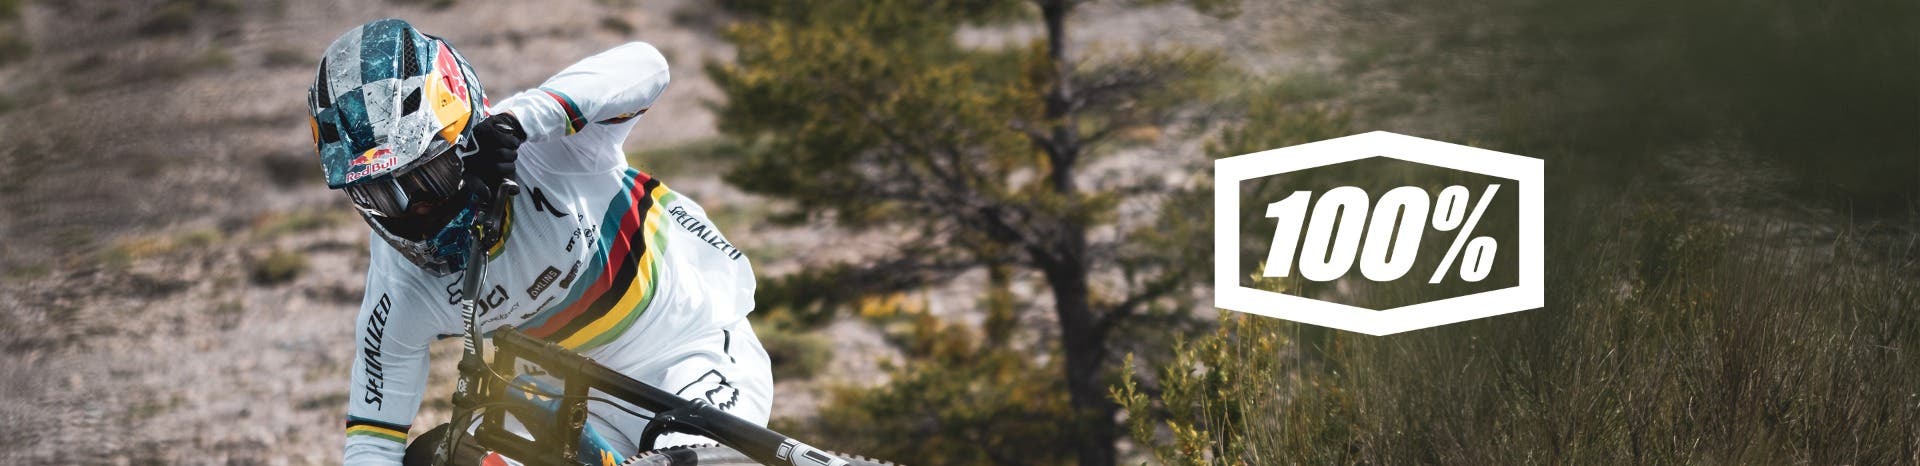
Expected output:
(715, 455)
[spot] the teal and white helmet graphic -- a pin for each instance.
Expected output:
(392, 114)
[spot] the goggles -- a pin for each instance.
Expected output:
(395, 194)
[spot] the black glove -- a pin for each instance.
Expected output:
(498, 137)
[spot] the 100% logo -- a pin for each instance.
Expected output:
(1392, 236)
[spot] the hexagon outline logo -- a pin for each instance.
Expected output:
(1530, 173)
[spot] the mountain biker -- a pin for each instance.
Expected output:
(596, 256)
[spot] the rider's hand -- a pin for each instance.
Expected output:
(499, 137)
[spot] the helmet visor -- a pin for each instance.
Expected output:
(413, 191)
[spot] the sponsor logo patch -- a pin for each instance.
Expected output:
(541, 204)
(715, 388)
(572, 273)
(376, 331)
(543, 281)
(706, 233)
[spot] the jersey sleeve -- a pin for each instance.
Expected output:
(591, 104)
(391, 336)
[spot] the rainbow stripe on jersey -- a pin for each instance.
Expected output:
(376, 429)
(618, 285)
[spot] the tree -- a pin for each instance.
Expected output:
(870, 114)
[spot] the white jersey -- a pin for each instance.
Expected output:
(597, 256)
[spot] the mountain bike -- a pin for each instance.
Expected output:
(552, 420)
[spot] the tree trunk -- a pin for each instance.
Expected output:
(1085, 360)
(1086, 352)
(1065, 147)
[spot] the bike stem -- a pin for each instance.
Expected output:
(469, 391)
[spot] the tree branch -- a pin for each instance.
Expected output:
(1166, 284)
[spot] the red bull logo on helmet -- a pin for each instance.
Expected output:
(371, 162)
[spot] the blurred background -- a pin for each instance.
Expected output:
(981, 226)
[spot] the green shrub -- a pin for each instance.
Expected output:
(129, 249)
(279, 267)
(214, 58)
(27, 271)
(289, 169)
(13, 45)
(616, 25)
(173, 17)
(693, 158)
(10, 9)
(282, 57)
(796, 355)
(278, 224)
(433, 4)
(178, 16)
(1670, 341)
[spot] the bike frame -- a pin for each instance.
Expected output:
(481, 387)
(671, 413)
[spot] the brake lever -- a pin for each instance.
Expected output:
(468, 390)
(494, 209)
